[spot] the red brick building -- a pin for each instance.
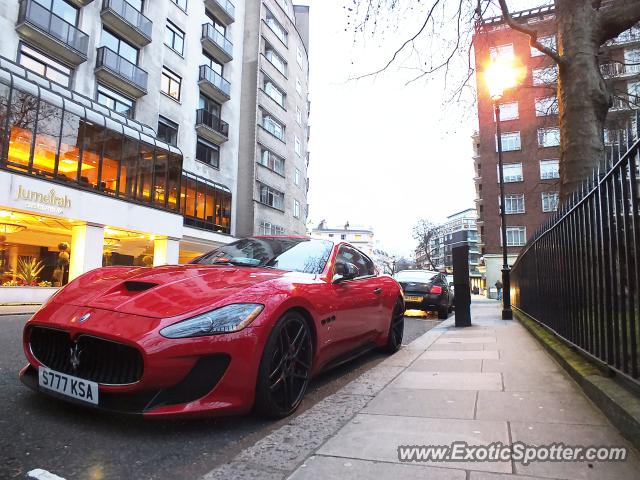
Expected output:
(530, 134)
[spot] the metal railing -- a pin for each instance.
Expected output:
(35, 14)
(579, 274)
(130, 15)
(206, 73)
(617, 69)
(130, 72)
(211, 120)
(227, 6)
(209, 31)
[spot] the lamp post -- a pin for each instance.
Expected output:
(500, 76)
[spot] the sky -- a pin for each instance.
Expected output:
(383, 154)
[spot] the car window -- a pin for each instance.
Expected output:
(362, 263)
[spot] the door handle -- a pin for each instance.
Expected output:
(377, 291)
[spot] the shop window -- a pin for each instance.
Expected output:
(160, 179)
(22, 119)
(145, 172)
(47, 136)
(92, 142)
(4, 107)
(128, 168)
(69, 155)
(174, 171)
(111, 162)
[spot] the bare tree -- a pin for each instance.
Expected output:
(583, 27)
(424, 231)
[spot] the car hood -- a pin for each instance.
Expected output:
(162, 292)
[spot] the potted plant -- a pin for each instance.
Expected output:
(28, 270)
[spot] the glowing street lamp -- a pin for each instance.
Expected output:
(499, 76)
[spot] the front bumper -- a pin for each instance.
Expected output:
(211, 375)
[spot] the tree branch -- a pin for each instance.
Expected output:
(533, 34)
(618, 18)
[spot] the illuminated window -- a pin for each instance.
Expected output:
(170, 83)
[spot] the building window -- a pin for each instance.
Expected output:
(508, 111)
(205, 204)
(272, 126)
(298, 115)
(298, 86)
(549, 169)
(549, 42)
(167, 130)
(174, 38)
(550, 201)
(44, 65)
(296, 178)
(62, 9)
(501, 52)
(299, 57)
(631, 60)
(116, 102)
(549, 137)
(272, 161)
(516, 236)
(545, 76)
(181, 3)
(513, 203)
(512, 172)
(296, 209)
(546, 106)
(275, 59)
(278, 29)
(170, 83)
(343, 236)
(268, 228)
(510, 141)
(119, 46)
(213, 64)
(274, 92)
(271, 197)
(207, 152)
(297, 146)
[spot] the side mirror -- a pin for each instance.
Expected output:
(344, 271)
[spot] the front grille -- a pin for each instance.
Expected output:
(101, 361)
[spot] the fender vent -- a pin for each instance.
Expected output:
(134, 286)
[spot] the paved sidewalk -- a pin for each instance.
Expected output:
(491, 382)
(18, 309)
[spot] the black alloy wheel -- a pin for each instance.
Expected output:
(396, 328)
(285, 368)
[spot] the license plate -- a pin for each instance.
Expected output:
(412, 299)
(67, 385)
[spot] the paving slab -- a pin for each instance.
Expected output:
(333, 468)
(437, 346)
(575, 435)
(423, 403)
(498, 476)
(534, 381)
(372, 381)
(448, 380)
(402, 358)
(446, 366)
(377, 437)
(459, 355)
(469, 339)
(515, 365)
(542, 407)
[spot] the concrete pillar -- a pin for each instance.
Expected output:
(86, 248)
(165, 251)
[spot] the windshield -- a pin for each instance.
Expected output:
(291, 254)
(415, 276)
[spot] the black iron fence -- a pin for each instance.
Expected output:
(579, 274)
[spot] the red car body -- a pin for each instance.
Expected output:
(126, 316)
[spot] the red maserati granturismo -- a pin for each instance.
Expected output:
(244, 326)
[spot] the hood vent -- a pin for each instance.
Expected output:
(134, 286)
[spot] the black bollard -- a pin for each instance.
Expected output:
(462, 299)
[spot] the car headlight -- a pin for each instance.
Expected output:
(231, 318)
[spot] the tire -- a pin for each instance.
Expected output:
(396, 329)
(285, 367)
(443, 313)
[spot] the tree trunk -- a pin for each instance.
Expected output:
(584, 97)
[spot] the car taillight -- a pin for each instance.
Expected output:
(436, 290)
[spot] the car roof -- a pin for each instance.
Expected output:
(419, 275)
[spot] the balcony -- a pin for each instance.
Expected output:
(616, 69)
(213, 84)
(216, 44)
(51, 33)
(80, 3)
(211, 127)
(126, 21)
(222, 9)
(627, 37)
(120, 73)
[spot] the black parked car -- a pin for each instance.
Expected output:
(426, 290)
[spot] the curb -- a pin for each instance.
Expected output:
(618, 404)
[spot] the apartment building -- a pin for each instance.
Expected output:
(272, 174)
(530, 133)
(120, 130)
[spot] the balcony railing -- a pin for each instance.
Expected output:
(207, 74)
(205, 117)
(616, 69)
(227, 6)
(130, 15)
(210, 32)
(33, 13)
(122, 67)
(629, 36)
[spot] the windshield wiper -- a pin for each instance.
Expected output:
(226, 261)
